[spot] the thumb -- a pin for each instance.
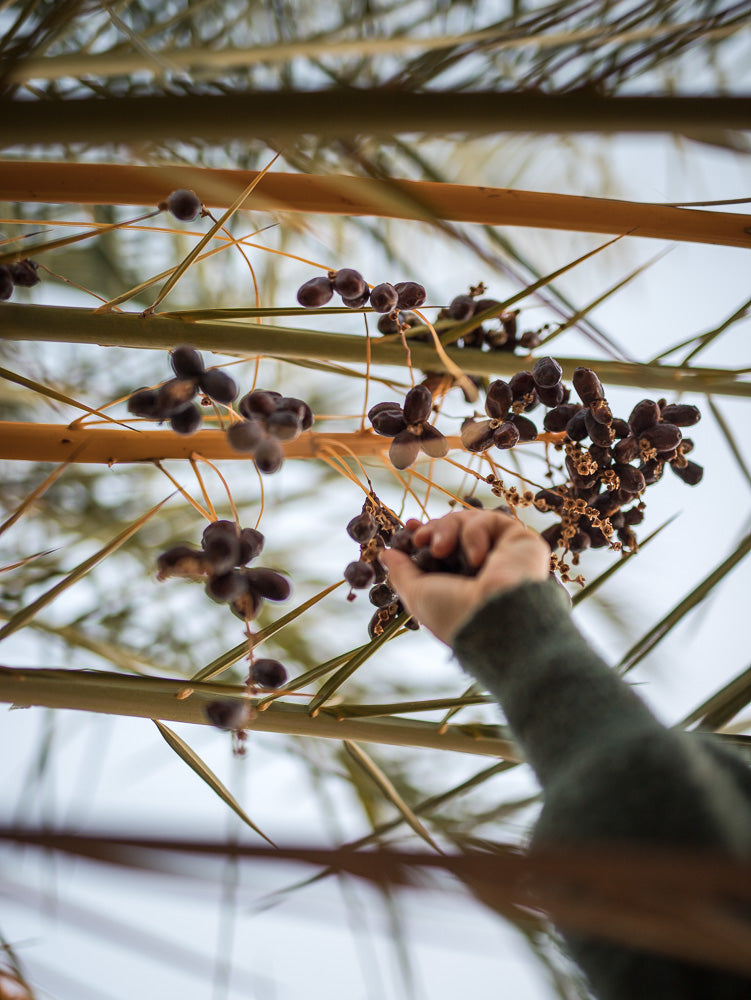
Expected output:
(403, 573)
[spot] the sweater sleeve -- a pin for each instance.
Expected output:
(559, 697)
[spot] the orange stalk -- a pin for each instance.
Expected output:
(116, 184)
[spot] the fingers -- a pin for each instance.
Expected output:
(404, 575)
(476, 531)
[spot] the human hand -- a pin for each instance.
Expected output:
(504, 551)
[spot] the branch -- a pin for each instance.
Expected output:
(124, 184)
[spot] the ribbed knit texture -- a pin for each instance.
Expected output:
(609, 770)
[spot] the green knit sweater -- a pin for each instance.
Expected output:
(610, 772)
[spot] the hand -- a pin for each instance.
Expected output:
(507, 553)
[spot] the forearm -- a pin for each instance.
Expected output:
(558, 696)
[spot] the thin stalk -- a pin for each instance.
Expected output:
(123, 184)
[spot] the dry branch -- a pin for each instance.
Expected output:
(123, 184)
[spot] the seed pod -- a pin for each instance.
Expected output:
(586, 493)
(582, 482)
(556, 419)
(580, 541)
(146, 403)
(246, 435)
(644, 415)
(181, 560)
(552, 536)
(506, 436)
(24, 273)
(186, 362)
(691, 473)
(226, 714)
(268, 455)
(686, 446)
(527, 429)
(418, 404)
(226, 587)
(522, 384)
(597, 538)
(401, 540)
(576, 428)
(259, 403)
(221, 528)
(411, 295)
(652, 470)
(315, 292)
(222, 552)
(432, 442)
(601, 412)
(626, 450)
(358, 301)
(359, 574)
(379, 570)
(530, 340)
(298, 406)
(484, 305)
(498, 399)
(251, 545)
(681, 414)
(601, 455)
(633, 516)
(600, 433)
(380, 620)
(587, 385)
(184, 205)
(606, 504)
(627, 537)
(362, 528)
(388, 324)
(6, 283)
(187, 421)
(404, 449)
(631, 479)
(620, 427)
(473, 502)
(218, 385)
(552, 395)
(349, 283)
(175, 395)
(617, 520)
(461, 308)
(548, 500)
(381, 595)
(382, 407)
(247, 605)
(267, 673)
(383, 298)
(284, 425)
(268, 583)
(663, 437)
(389, 423)
(497, 340)
(424, 559)
(547, 373)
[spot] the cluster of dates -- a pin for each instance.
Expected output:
(408, 426)
(268, 418)
(603, 481)
(499, 334)
(374, 529)
(355, 293)
(21, 274)
(174, 399)
(222, 561)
